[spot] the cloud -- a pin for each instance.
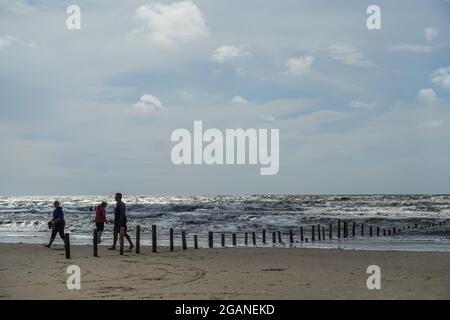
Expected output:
(434, 124)
(9, 41)
(266, 118)
(172, 24)
(239, 71)
(216, 72)
(441, 77)
(6, 41)
(427, 95)
(357, 104)
(239, 100)
(225, 53)
(300, 65)
(147, 103)
(431, 33)
(418, 48)
(321, 117)
(17, 7)
(349, 55)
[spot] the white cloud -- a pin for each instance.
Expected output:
(225, 53)
(358, 104)
(216, 72)
(441, 77)
(8, 41)
(266, 118)
(349, 55)
(171, 24)
(239, 71)
(427, 95)
(17, 7)
(300, 65)
(434, 124)
(322, 117)
(419, 48)
(147, 103)
(239, 100)
(431, 33)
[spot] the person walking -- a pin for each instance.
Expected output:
(100, 220)
(120, 221)
(57, 224)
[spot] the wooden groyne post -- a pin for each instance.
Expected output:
(313, 233)
(183, 240)
(121, 236)
(339, 229)
(171, 238)
(195, 242)
(234, 239)
(210, 239)
(222, 239)
(330, 232)
(301, 234)
(291, 237)
(318, 233)
(67, 245)
(254, 238)
(264, 236)
(138, 239)
(95, 243)
(154, 244)
(353, 229)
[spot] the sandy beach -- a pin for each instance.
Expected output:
(34, 272)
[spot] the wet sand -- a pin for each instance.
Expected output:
(34, 272)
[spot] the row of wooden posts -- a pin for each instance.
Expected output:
(316, 234)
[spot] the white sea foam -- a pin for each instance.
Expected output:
(26, 217)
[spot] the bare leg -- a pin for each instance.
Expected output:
(129, 240)
(50, 243)
(114, 241)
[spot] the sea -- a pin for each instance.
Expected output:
(422, 221)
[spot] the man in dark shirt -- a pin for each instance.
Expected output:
(120, 221)
(57, 224)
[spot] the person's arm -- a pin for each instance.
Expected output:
(56, 217)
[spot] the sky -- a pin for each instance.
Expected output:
(91, 111)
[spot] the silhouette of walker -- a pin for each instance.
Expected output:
(120, 221)
(57, 224)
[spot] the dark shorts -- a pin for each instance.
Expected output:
(100, 226)
(117, 228)
(58, 228)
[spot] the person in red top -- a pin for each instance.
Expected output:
(100, 219)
